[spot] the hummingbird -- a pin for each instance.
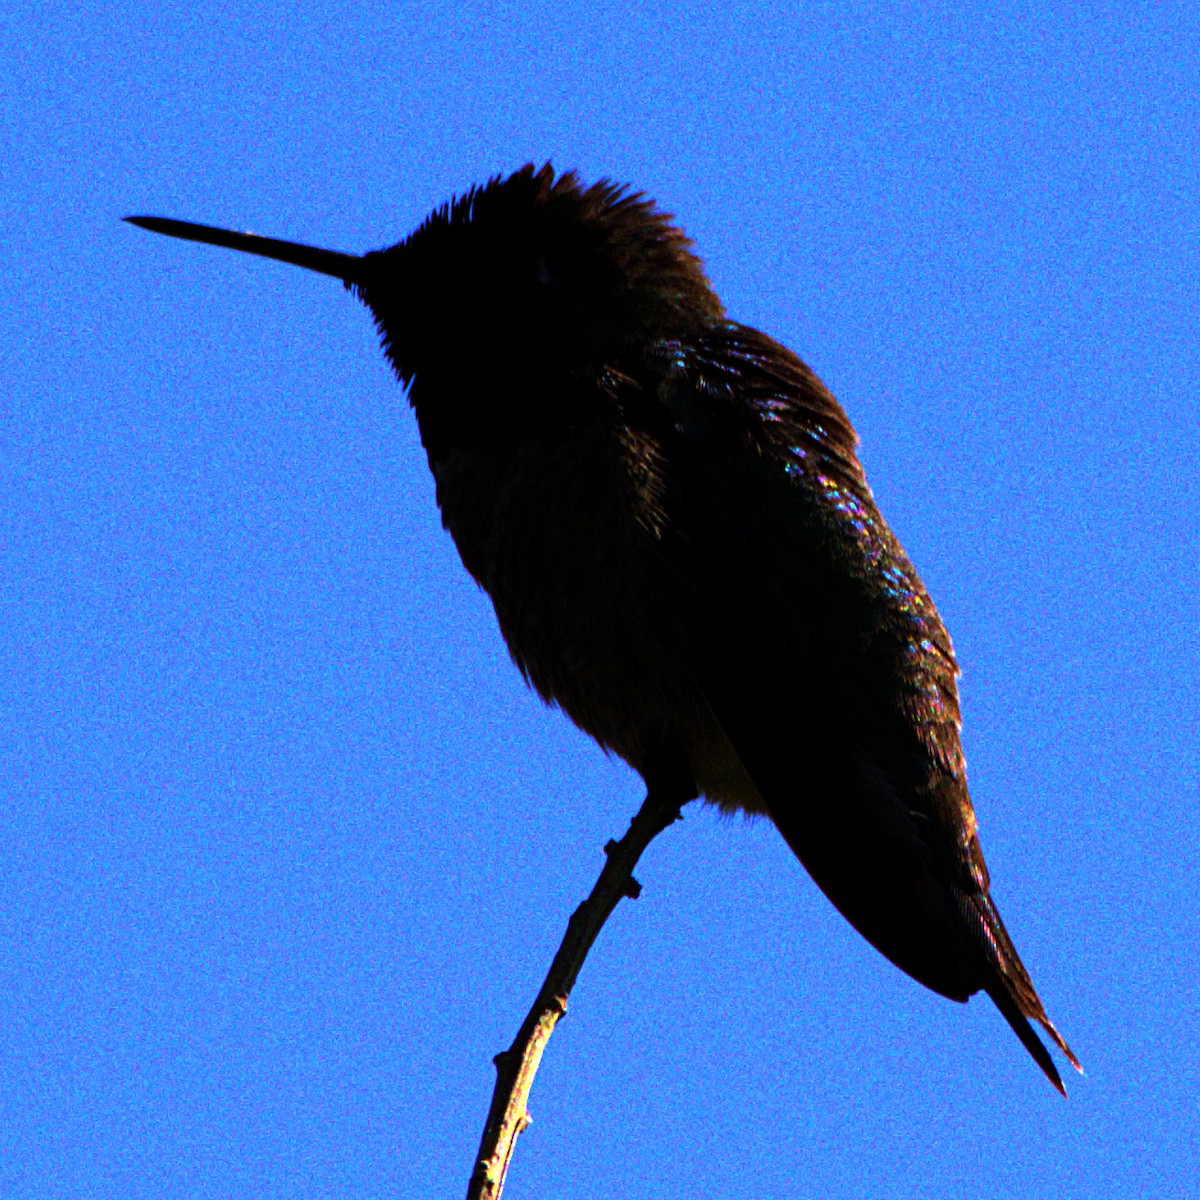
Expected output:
(667, 510)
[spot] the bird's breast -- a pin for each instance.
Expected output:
(570, 535)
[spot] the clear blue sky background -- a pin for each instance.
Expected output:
(285, 846)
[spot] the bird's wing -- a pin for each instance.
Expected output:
(829, 670)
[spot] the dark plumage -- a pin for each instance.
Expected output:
(668, 513)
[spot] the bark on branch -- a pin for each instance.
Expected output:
(516, 1066)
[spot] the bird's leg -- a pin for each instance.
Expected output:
(667, 790)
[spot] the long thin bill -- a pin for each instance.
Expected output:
(346, 267)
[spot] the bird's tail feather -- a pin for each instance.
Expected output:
(1057, 1039)
(1013, 993)
(1030, 1040)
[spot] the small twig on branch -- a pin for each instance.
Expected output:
(516, 1066)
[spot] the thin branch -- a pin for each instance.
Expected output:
(516, 1066)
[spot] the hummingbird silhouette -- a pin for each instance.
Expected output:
(668, 513)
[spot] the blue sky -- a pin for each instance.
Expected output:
(285, 845)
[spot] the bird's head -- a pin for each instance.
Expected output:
(533, 276)
(513, 298)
